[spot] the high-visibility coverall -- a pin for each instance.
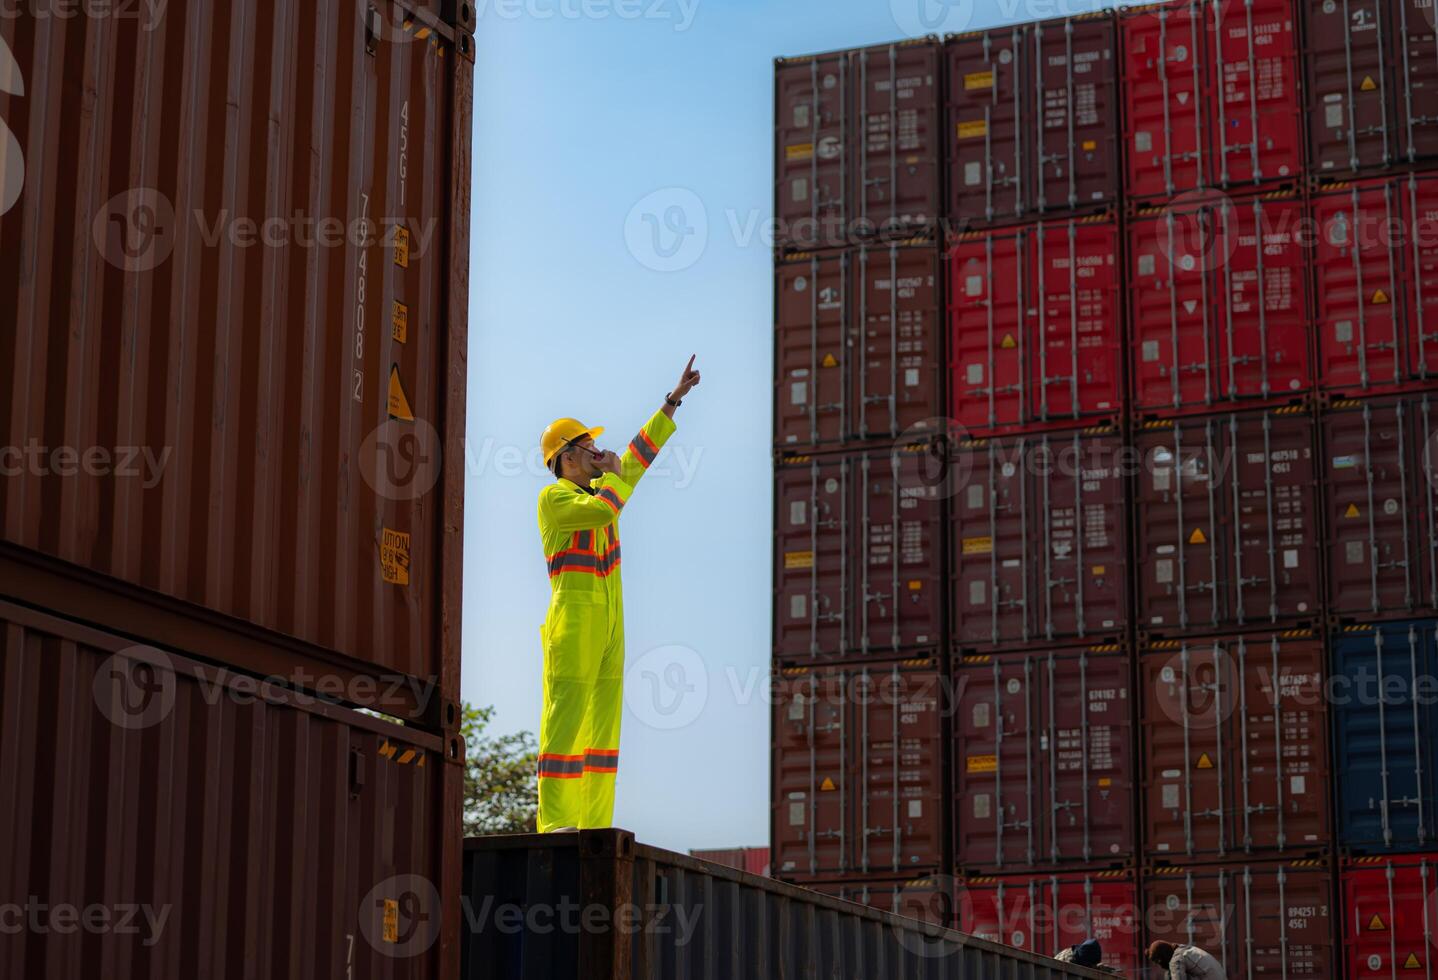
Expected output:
(583, 638)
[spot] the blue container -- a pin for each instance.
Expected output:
(1386, 736)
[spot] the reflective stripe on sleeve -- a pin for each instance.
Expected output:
(644, 449)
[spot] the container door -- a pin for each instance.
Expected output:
(994, 524)
(812, 145)
(1415, 85)
(1288, 921)
(1390, 917)
(996, 775)
(810, 774)
(897, 386)
(1076, 113)
(1102, 906)
(1076, 366)
(1349, 103)
(811, 351)
(1421, 299)
(812, 563)
(987, 110)
(1166, 86)
(1258, 128)
(899, 587)
(898, 136)
(988, 314)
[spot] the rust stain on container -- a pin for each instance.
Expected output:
(1235, 747)
(218, 220)
(857, 781)
(242, 828)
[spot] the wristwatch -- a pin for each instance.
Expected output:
(675, 403)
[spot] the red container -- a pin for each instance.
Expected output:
(754, 860)
(1272, 919)
(1040, 540)
(1380, 475)
(1035, 326)
(857, 144)
(856, 346)
(1235, 748)
(925, 899)
(1219, 304)
(857, 774)
(1043, 760)
(236, 327)
(217, 825)
(1210, 95)
(1033, 120)
(1390, 915)
(1227, 512)
(858, 554)
(1049, 913)
(1371, 78)
(1376, 252)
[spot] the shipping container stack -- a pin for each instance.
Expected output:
(229, 517)
(1191, 282)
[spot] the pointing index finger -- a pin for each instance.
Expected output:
(690, 366)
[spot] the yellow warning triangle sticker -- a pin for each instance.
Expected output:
(1008, 343)
(1380, 298)
(830, 361)
(398, 400)
(1204, 762)
(827, 784)
(1368, 84)
(1411, 963)
(1376, 924)
(1197, 537)
(1352, 511)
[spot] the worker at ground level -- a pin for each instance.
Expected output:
(583, 632)
(1185, 962)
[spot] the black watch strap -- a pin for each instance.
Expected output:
(668, 400)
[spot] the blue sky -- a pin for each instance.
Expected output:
(622, 167)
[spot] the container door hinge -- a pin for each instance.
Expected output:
(356, 773)
(373, 26)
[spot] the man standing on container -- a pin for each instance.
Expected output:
(583, 632)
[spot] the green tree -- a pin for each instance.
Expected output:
(501, 794)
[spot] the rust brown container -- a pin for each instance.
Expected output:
(857, 346)
(1380, 476)
(925, 899)
(223, 827)
(858, 554)
(1033, 120)
(1227, 515)
(1235, 748)
(857, 774)
(1043, 766)
(857, 144)
(1039, 540)
(238, 294)
(1259, 920)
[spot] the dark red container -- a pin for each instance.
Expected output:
(1036, 326)
(1274, 919)
(857, 774)
(1040, 540)
(857, 144)
(1380, 474)
(857, 341)
(1210, 96)
(1371, 81)
(1219, 304)
(216, 825)
(1033, 120)
(236, 328)
(1235, 748)
(1043, 769)
(925, 899)
(858, 554)
(1376, 255)
(1390, 915)
(1049, 913)
(1227, 517)
(754, 860)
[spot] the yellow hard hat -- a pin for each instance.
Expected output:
(562, 432)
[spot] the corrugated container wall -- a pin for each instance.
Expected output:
(238, 281)
(1032, 121)
(225, 827)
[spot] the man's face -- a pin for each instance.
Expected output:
(580, 462)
